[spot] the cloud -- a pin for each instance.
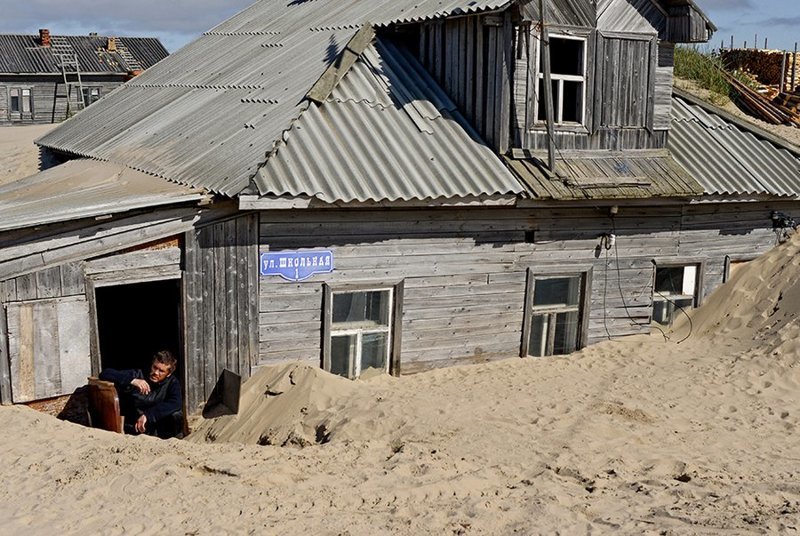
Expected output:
(785, 22)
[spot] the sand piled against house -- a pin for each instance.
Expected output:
(19, 156)
(283, 405)
(635, 436)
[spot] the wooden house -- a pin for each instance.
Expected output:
(386, 185)
(47, 78)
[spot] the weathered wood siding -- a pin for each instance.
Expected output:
(48, 347)
(220, 303)
(49, 96)
(464, 271)
(471, 57)
(629, 81)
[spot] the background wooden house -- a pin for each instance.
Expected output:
(386, 195)
(47, 78)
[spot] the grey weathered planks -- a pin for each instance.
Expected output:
(221, 303)
(464, 297)
(48, 342)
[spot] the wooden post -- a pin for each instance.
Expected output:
(755, 42)
(794, 69)
(765, 43)
(548, 91)
(731, 41)
(782, 83)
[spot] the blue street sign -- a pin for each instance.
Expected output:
(296, 265)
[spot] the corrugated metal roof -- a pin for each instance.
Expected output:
(209, 114)
(726, 159)
(614, 176)
(22, 54)
(630, 16)
(388, 132)
(83, 189)
(565, 12)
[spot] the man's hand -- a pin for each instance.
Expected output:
(141, 385)
(141, 422)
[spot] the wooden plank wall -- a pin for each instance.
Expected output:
(464, 270)
(628, 97)
(220, 303)
(49, 95)
(471, 57)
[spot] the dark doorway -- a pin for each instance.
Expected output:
(135, 321)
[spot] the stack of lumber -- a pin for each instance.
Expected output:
(769, 67)
(761, 107)
(789, 100)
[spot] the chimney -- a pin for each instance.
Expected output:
(44, 37)
(112, 44)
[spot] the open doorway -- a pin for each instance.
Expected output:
(137, 320)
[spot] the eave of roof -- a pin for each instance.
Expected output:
(84, 189)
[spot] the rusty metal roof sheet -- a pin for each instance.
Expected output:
(84, 189)
(611, 176)
(726, 158)
(209, 115)
(387, 132)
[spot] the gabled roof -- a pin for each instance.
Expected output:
(728, 156)
(387, 132)
(23, 54)
(209, 114)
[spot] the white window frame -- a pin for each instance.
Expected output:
(392, 330)
(24, 97)
(558, 105)
(695, 282)
(582, 308)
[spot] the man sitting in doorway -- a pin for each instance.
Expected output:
(151, 404)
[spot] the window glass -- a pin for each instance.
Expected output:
(374, 351)
(565, 340)
(669, 280)
(15, 104)
(343, 354)
(537, 342)
(362, 309)
(557, 291)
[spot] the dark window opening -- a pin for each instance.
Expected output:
(15, 101)
(566, 56)
(135, 321)
(675, 289)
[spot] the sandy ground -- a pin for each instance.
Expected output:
(636, 436)
(19, 156)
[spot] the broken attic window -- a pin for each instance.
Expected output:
(568, 78)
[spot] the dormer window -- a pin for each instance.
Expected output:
(568, 78)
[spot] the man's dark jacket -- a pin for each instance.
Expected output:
(164, 399)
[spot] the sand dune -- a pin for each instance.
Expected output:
(20, 156)
(630, 436)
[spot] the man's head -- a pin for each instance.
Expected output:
(163, 366)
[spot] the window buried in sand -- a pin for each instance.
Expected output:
(675, 288)
(361, 330)
(556, 314)
(90, 95)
